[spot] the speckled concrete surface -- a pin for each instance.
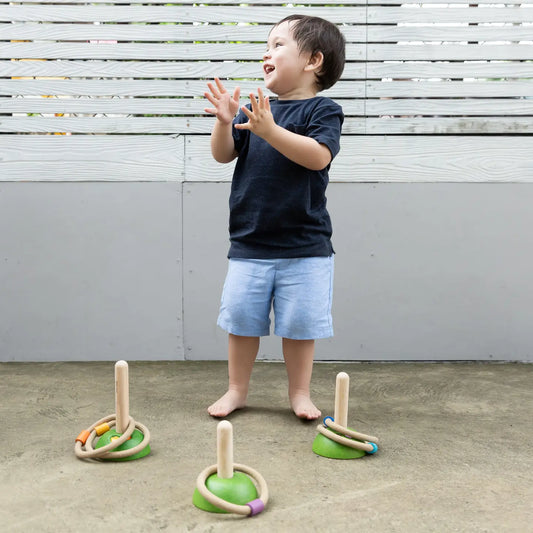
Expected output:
(455, 449)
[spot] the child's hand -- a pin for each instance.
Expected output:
(226, 106)
(261, 122)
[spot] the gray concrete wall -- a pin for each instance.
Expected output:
(107, 271)
(90, 271)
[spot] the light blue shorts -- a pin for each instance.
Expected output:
(299, 291)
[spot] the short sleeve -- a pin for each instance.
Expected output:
(325, 125)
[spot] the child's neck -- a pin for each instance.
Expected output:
(301, 93)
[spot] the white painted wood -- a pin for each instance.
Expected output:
(454, 158)
(183, 14)
(88, 105)
(91, 158)
(148, 69)
(437, 52)
(250, 51)
(446, 107)
(376, 158)
(449, 69)
(258, 4)
(168, 64)
(459, 89)
(418, 3)
(283, 2)
(129, 125)
(153, 32)
(215, 33)
(182, 88)
(395, 15)
(172, 51)
(201, 125)
(447, 34)
(251, 69)
(161, 125)
(137, 106)
(448, 125)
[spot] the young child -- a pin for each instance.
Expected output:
(281, 253)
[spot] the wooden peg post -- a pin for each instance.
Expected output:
(225, 450)
(342, 393)
(122, 396)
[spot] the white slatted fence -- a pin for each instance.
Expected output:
(419, 76)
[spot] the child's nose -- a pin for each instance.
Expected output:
(266, 55)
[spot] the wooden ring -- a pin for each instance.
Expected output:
(330, 423)
(247, 510)
(368, 447)
(107, 451)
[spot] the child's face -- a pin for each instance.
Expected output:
(284, 66)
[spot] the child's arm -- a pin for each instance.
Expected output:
(225, 108)
(300, 149)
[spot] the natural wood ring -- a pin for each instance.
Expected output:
(245, 510)
(345, 441)
(87, 451)
(330, 423)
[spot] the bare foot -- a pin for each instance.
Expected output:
(304, 408)
(228, 403)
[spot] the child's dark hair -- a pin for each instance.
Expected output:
(313, 35)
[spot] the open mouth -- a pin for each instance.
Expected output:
(268, 69)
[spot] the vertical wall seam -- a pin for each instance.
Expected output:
(182, 247)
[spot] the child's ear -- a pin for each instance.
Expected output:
(315, 61)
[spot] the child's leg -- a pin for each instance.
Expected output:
(242, 352)
(298, 355)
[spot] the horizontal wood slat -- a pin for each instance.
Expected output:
(187, 51)
(192, 106)
(251, 51)
(132, 125)
(91, 158)
(370, 158)
(184, 88)
(255, 33)
(252, 69)
(351, 126)
(258, 14)
(136, 106)
(176, 13)
(401, 158)
(263, 3)
(414, 70)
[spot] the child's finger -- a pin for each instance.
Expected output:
(237, 94)
(247, 112)
(260, 97)
(211, 98)
(253, 101)
(210, 110)
(213, 89)
(220, 85)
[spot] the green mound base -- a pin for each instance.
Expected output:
(333, 450)
(135, 439)
(239, 489)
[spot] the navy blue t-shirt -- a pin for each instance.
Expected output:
(277, 207)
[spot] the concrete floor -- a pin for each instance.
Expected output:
(455, 449)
